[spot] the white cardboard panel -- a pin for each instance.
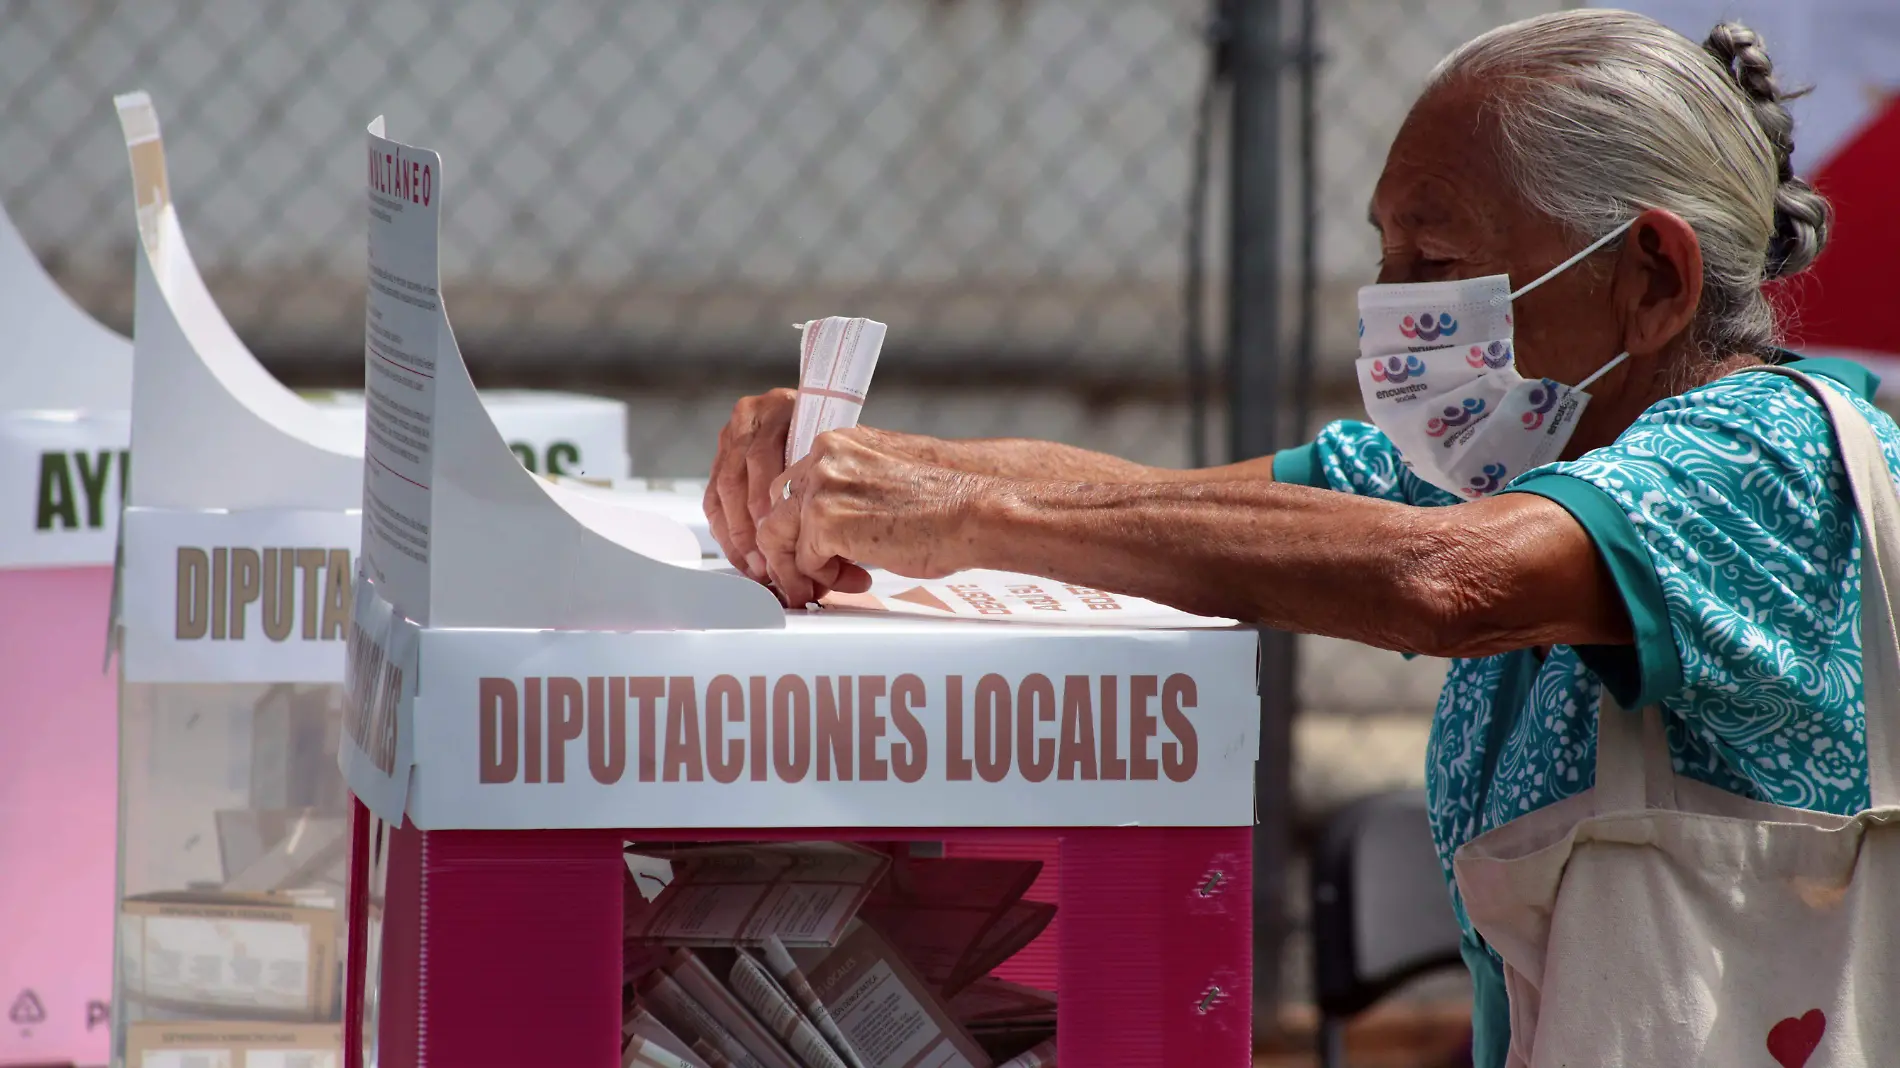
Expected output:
(552, 433)
(212, 428)
(53, 356)
(679, 499)
(456, 532)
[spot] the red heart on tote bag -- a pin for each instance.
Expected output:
(1792, 1041)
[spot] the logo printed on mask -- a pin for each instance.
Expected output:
(1470, 408)
(1396, 369)
(1491, 356)
(1487, 482)
(1442, 422)
(1429, 327)
(1542, 399)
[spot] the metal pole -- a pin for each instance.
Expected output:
(1254, 429)
(1308, 60)
(1253, 312)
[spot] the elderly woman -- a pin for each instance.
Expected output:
(1591, 204)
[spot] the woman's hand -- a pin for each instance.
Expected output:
(745, 470)
(859, 500)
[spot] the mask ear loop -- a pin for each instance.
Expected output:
(1601, 371)
(1572, 261)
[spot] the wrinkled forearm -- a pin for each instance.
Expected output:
(1027, 458)
(1512, 574)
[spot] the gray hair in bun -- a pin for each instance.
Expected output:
(1802, 216)
(1605, 113)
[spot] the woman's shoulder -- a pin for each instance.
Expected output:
(1771, 419)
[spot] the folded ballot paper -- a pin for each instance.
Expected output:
(836, 356)
(827, 955)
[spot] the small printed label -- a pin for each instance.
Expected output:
(261, 596)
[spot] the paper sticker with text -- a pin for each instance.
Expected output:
(377, 751)
(403, 325)
(257, 596)
(62, 482)
(1011, 598)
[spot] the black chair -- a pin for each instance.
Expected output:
(1381, 915)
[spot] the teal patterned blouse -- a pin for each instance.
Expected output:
(1725, 519)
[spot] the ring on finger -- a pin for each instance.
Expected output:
(785, 494)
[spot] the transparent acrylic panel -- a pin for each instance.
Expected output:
(233, 875)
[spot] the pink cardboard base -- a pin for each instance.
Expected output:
(58, 812)
(503, 948)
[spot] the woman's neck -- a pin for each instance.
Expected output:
(1608, 417)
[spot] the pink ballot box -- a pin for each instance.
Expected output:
(58, 800)
(622, 809)
(65, 386)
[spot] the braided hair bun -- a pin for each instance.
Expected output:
(1802, 216)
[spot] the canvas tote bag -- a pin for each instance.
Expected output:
(1657, 921)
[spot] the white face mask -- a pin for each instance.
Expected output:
(1439, 376)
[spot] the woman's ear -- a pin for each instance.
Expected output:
(1659, 281)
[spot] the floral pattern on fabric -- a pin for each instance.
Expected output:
(1358, 458)
(1737, 494)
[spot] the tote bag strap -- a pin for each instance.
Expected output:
(1633, 768)
(1878, 506)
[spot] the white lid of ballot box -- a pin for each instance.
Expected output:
(523, 655)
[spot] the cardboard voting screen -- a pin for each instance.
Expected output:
(574, 685)
(553, 434)
(456, 533)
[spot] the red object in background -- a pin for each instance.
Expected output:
(1846, 303)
